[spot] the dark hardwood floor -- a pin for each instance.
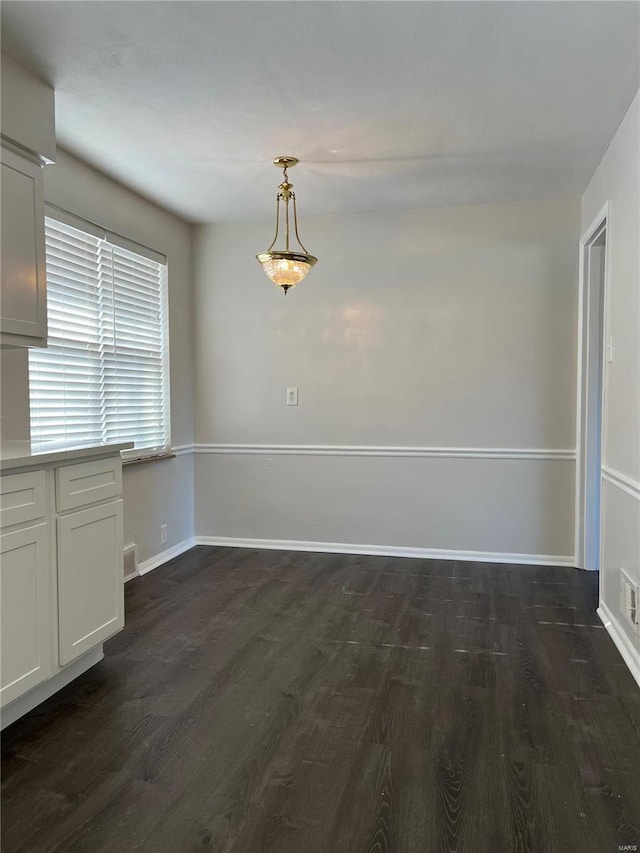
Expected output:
(315, 703)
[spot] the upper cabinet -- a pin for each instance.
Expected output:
(23, 274)
(28, 144)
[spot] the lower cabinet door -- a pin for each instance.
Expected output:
(90, 578)
(25, 588)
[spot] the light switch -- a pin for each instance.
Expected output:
(292, 396)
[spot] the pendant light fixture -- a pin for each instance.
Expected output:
(285, 267)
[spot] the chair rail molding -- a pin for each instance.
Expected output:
(182, 449)
(621, 481)
(566, 455)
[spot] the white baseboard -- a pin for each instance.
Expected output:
(630, 655)
(164, 556)
(386, 551)
(23, 704)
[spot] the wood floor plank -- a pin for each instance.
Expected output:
(292, 702)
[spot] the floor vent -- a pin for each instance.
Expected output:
(130, 562)
(629, 599)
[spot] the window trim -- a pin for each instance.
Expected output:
(52, 211)
(59, 214)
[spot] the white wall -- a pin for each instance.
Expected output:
(155, 492)
(452, 327)
(617, 181)
(14, 394)
(28, 110)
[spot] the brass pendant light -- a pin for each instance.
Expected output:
(284, 267)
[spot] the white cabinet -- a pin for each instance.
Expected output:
(90, 578)
(23, 498)
(61, 574)
(25, 587)
(87, 482)
(23, 291)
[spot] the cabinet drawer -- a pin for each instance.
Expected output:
(88, 482)
(23, 497)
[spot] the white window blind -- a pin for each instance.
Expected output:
(104, 374)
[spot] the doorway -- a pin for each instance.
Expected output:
(592, 352)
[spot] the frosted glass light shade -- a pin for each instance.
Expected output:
(286, 269)
(281, 271)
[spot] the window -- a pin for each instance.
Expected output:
(104, 375)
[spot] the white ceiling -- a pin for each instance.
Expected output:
(387, 104)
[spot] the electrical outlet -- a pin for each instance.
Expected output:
(163, 534)
(292, 396)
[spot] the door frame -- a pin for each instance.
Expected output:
(601, 224)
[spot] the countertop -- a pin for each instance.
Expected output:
(21, 454)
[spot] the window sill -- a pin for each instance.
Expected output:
(143, 459)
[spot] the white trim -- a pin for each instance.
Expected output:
(53, 211)
(629, 653)
(385, 551)
(22, 151)
(592, 232)
(164, 556)
(578, 538)
(169, 453)
(626, 484)
(23, 704)
(140, 460)
(182, 449)
(601, 221)
(364, 450)
(137, 248)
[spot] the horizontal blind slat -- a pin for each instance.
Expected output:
(104, 374)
